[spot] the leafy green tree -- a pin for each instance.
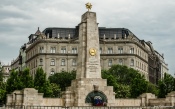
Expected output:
(42, 84)
(152, 89)
(122, 91)
(63, 79)
(2, 91)
(56, 90)
(1, 77)
(166, 85)
(13, 82)
(26, 79)
(138, 86)
(127, 82)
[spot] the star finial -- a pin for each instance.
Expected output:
(88, 6)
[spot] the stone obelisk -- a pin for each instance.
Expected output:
(88, 52)
(88, 85)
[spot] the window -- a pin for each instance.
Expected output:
(132, 62)
(100, 50)
(74, 62)
(36, 63)
(109, 62)
(120, 50)
(52, 71)
(120, 62)
(110, 50)
(41, 49)
(52, 50)
(52, 62)
(131, 50)
(63, 62)
(41, 61)
(63, 50)
(74, 50)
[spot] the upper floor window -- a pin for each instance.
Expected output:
(120, 62)
(131, 50)
(100, 50)
(41, 49)
(109, 62)
(120, 50)
(110, 50)
(52, 62)
(74, 50)
(63, 62)
(41, 61)
(52, 50)
(74, 63)
(63, 49)
(132, 62)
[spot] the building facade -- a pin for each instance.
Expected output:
(56, 50)
(6, 72)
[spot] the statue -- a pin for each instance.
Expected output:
(88, 6)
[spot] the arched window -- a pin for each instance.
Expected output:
(63, 62)
(41, 61)
(132, 62)
(52, 62)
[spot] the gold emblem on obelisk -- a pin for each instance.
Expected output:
(92, 51)
(88, 6)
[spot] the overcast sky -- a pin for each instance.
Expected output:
(150, 20)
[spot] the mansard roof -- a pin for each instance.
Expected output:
(74, 32)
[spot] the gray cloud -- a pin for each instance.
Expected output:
(151, 20)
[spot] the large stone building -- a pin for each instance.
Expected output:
(6, 72)
(55, 50)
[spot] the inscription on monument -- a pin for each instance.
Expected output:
(93, 64)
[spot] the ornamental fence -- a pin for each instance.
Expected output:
(85, 107)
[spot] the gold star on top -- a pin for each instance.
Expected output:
(88, 6)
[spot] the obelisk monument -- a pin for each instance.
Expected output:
(88, 87)
(88, 51)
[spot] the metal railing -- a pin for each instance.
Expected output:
(85, 107)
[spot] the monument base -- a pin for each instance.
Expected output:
(82, 93)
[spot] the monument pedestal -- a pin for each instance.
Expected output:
(77, 93)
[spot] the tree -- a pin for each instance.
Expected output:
(41, 84)
(1, 76)
(138, 86)
(122, 91)
(26, 79)
(166, 85)
(152, 89)
(127, 82)
(2, 91)
(13, 82)
(63, 79)
(56, 90)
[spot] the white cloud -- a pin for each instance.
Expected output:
(151, 20)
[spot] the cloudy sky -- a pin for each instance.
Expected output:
(151, 20)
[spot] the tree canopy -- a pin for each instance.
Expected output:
(166, 85)
(42, 84)
(63, 79)
(127, 82)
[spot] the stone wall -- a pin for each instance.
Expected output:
(128, 102)
(52, 102)
(31, 97)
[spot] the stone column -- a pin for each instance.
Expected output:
(88, 63)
